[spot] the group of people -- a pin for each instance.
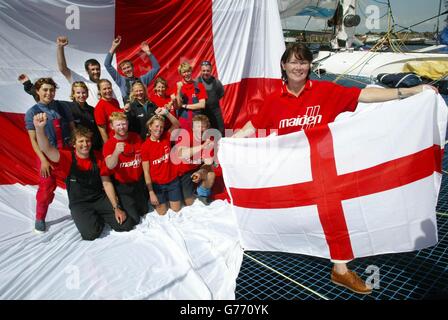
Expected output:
(117, 161)
(139, 160)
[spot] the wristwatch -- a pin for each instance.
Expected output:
(117, 207)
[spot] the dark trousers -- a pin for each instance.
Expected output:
(215, 117)
(133, 198)
(89, 218)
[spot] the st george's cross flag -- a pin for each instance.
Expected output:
(364, 185)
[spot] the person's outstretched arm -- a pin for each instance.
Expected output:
(175, 124)
(370, 95)
(40, 121)
(245, 131)
(108, 60)
(28, 86)
(61, 42)
(147, 77)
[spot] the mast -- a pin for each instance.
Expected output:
(346, 27)
(438, 18)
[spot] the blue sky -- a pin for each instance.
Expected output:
(406, 13)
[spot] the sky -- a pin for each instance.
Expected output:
(405, 12)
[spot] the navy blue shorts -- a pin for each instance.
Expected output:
(168, 192)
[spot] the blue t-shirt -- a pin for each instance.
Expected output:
(55, 110)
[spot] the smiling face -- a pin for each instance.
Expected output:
(156, 128)
(106, 90)
(296, 69)
(139, 92)
(80, 95)
(82, 146)
(94, 72)
(206, 72)
(186, 75)
(127, 69)
(120, 127)
(160, 89)
(46, 93)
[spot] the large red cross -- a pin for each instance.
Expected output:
(327, 190)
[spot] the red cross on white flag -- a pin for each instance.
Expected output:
(361, 186)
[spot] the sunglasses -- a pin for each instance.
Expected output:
(206, 63)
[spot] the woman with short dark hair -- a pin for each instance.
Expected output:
(302, 104)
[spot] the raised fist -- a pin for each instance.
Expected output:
(145, 47)
(119, 147)
(116, 41)
(40, 120)
(62, 41)
(23, 78)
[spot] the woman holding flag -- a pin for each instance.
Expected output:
(302, 104)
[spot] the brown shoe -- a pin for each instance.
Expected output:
(351, 281)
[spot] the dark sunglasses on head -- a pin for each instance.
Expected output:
(206, 63)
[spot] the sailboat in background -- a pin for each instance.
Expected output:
(343, 58)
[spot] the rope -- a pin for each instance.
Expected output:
(351, 79)
(355, 65)
(437, 80)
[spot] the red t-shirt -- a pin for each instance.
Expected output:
(194, 162)
(65, 163)
(319, 103)
(160, 101)
(189, 91)
(103, 110)
(157, 153)
(129, 166)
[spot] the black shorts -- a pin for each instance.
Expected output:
(168, 192)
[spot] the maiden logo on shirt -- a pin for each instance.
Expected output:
(134, 163)
(163, 158)
(308, 120)
(128, 154)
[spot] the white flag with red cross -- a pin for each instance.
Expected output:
(364, 185)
